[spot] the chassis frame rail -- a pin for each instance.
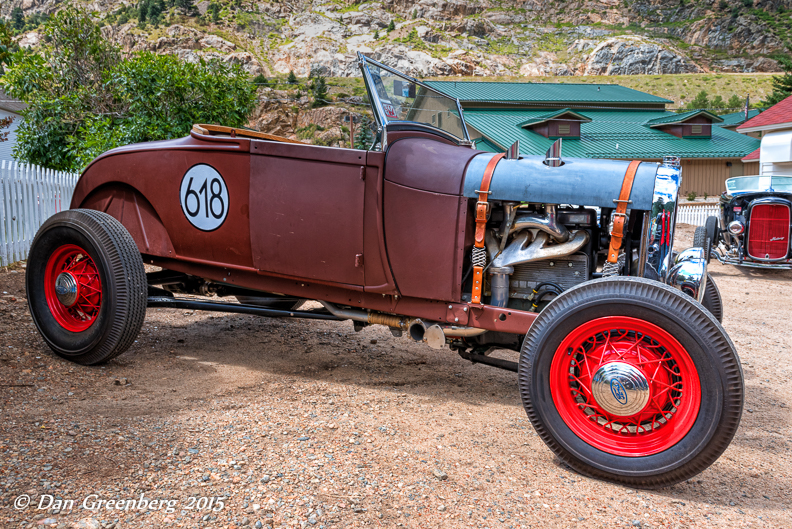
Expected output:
(508, 365)
(236, 308)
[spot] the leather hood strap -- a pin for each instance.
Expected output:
(482, 211)
(620, 216)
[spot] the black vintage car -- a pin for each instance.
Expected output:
(754, 225)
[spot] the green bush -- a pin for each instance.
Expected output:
(84, 97)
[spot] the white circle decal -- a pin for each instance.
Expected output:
(204, 197)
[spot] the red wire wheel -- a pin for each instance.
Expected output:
(625, 386)
(73, 288)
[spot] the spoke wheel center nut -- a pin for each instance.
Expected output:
(66, 289)
(620, 388)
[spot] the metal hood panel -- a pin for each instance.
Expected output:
(580, 181)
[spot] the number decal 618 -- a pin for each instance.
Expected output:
(204, 197)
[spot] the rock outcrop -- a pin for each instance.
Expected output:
(633, 56)
(458, 37)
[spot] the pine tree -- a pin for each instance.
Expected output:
(700, 101)
(735, 103)
(376, 34)
(143, 11)
(319, 90)
(782, 84)
(214, 10)
(364, 138)
(717, 103)
(391, 26)
(17, 18)
(187, 6)
(291, 79)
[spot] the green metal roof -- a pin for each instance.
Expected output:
(736, 118)
(554, 115)
(670, 119)
(610, 134)
(494, 92)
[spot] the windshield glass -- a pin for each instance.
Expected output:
(747, 184)
(397, 97)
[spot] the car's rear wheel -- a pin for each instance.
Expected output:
(86, 286)
(712, 299)
(629, 380)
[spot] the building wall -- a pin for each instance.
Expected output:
(751, 168)
(7, 146)
(708, 176)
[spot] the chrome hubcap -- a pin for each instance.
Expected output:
(620, 388)
(66, 289)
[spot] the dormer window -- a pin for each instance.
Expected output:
(559, 124)
(693, 124)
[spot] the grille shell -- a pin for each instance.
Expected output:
(768, 231)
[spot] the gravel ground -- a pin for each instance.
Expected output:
(283, 423)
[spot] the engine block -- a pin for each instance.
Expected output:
(566, 272)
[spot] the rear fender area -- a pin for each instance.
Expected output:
(128, 205)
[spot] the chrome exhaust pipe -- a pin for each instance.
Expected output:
(521, 250)
(547, 223)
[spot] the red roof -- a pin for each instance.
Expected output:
(779, 113)
(754, 156)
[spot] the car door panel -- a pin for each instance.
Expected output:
(307, 211)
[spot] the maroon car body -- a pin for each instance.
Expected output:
(623, 372)
(307, 221)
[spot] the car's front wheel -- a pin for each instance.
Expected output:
(86, 286)
(629, 380)
(707, 236)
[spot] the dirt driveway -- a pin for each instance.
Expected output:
(309, 424)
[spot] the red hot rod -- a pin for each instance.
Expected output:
(623, 372)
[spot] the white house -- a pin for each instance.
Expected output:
(774, 156)
(9, 107)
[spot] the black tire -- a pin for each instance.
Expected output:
(115, 257)
(269, 303)
(707, 236)
(712, 299)
(710, 429)
(699, 237)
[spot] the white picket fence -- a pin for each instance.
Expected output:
(696, 214)
(29, 195)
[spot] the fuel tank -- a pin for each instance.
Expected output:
(580, 181)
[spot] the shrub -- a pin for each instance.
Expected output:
(84, 97)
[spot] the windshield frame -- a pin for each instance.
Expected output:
(376, 102)
(764, 188)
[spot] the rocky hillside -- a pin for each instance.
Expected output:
(452, 37)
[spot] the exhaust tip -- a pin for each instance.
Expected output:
(417, 330)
